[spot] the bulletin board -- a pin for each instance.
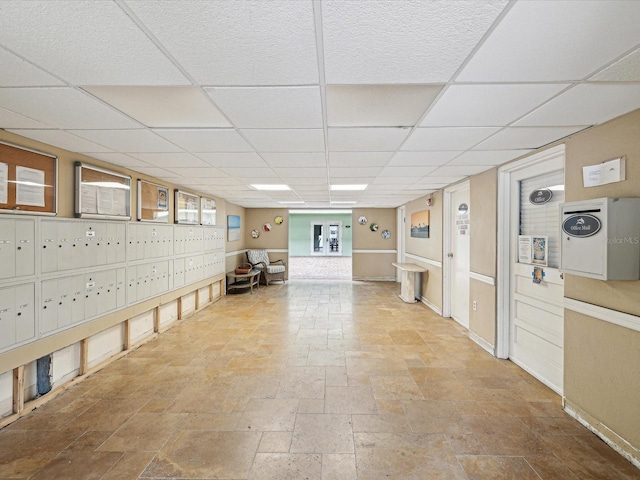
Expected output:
(153, 202)
(101, 193)
(28, 181)
(207, 211)
(187, 208)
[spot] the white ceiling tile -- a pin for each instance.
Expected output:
(446, 138)
(306, 181)
(354, 172)
(286, 140)
(207, 140)
(487, 105)
(586, 104)
(18, 73)
(85, 43)
(160, 173)
(488, 157)
(555, 40)
(9, 119)
(61, 139)
(170, 107)
(198, 172)
(128, 141)
(378, 105)
(120, 159)
(394, 180)
(237, 43)
(63, 107)
(263, 173)
(415, 172)
(458, 170)
(270, 107)
(286, 173)
(626, 69)
(244, 160)
(421, 159)
(359, 159)
(366, 139)
(225, 182)
(517, 138)
(417, 42)
(438, 180)
(164, 160)
(303, 159)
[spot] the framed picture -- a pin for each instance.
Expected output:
(420, 224)
(187, 208)
(233, 228)
(539, 250)
(207, 211)
(101, 193)
(153, 202)
(28, 181)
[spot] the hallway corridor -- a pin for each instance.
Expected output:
(308, 380)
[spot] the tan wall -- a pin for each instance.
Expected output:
(276, 239)
(484, 222)
(602, 366)
(482, 321)
(374, 265)
(602, 373)
(430, 248)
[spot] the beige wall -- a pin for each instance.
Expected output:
(482, 321)
(276, 239)
(602, 360)
(374, 266)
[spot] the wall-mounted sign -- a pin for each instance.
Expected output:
(540, 196)
(463, 208)
(581, 225)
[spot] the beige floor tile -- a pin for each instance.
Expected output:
(129, 466)
(322, 433)
(275, 442)
(311, 405)
(395, 388)
(144, 432)
(275, 415)
(286, 466)
(497, 468)
(78, 466)
(339, 467)
(302, 382)
(390, 423)
(349, 400)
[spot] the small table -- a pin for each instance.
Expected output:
(408, 291)
(239, 281)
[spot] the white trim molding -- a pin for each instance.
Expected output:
(482, 343)
(374, 279)
(277, 250)
(482, 278)
(621, 319)
(237, 252)
(374, 251)
(428, 261)
(431, 306)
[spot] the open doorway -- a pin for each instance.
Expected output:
(320, 244)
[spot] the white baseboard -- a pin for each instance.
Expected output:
(431, 306)
(483, 343)
(374, 279)
(609, 437)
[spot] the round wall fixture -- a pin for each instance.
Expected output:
(374, 227)
(266, 227)
(255, 233)
(278, 220)
(362, 220)
(386, 234)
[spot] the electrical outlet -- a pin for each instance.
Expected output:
(475, 305)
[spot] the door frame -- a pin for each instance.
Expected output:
(548, 160)
(400, 247)
(449, 222)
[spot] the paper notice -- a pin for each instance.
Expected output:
(607, 172)
(4, 183)
(524, 249)
(105, 201)
(120, 202)
(30, 187)
(89, 199)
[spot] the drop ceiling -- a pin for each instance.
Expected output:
(405, 96)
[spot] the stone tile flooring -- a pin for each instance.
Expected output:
(308, 380)
(319, 268)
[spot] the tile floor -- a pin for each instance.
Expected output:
(308, 380)
(319, 268)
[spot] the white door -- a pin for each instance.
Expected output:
(458, 252)
(536, 286)
(326, 238)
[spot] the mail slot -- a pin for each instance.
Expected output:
(600, 238)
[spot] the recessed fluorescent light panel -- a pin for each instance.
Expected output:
(349, 187)
(270, 187)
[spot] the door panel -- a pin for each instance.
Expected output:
(460, 262)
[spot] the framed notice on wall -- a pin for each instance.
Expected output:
(101, 193)
(207, 211)
(28, 181)
(153, 202)
(187, 208)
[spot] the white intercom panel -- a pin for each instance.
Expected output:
(600, 238)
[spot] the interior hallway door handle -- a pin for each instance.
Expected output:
(450, 255)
